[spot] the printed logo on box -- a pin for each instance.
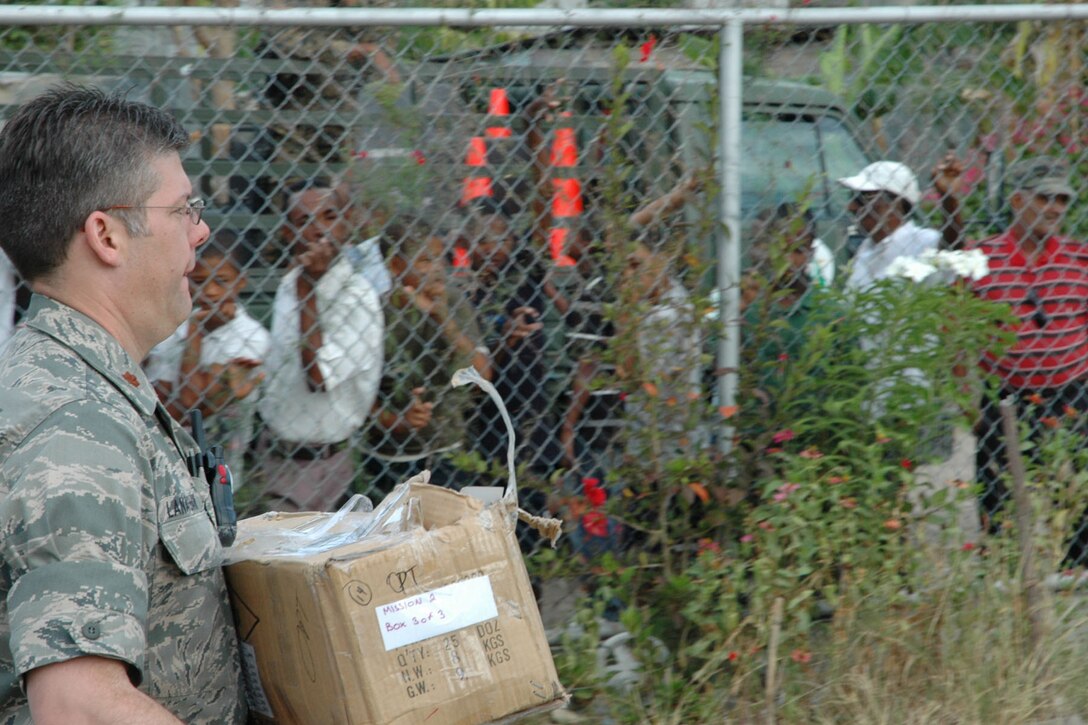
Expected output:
(440, 611)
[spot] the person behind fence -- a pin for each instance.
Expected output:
(213, 360)
(113, 607)
(781, 300)
(884, 196)
(781, 274)
(431, 331)
(325, 362)
(1043, 276)
(332, 64)
(510, 291)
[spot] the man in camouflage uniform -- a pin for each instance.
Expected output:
(113, 607)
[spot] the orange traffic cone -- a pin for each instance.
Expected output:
(476, 157)
(460, 258)
(498, 105)
(567, 201)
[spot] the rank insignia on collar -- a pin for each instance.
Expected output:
(131, 380)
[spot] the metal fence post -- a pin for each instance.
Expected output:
(730, 78)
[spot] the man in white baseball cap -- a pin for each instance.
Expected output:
(885, 193)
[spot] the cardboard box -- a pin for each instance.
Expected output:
(438, 625)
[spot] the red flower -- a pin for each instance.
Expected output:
(783, 357)
(766, 525)
(419, 157)
(733, 656)
(1071, 411)
(596, 524)
(647, 48)
(836, 479)
(596, 495)
(1049, 421)
(906, 463)
(1035, 399)
(801, 656)
(783, 435)
(969, 546)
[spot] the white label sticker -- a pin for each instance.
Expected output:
(258, 701)
(449, 608)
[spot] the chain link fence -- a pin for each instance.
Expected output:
(546, 204)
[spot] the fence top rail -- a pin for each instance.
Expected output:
(340, 17)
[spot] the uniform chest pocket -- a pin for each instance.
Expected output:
(192, 541)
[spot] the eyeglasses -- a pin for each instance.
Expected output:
(194, 208)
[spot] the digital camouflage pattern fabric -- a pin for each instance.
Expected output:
(107, 544)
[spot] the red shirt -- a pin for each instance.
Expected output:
(1050, 296)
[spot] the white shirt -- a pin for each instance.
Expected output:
(231, 427)
(871, 262)
(350, 359)
(241, 337)
(366, 258)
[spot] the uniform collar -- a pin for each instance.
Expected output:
(98, 348)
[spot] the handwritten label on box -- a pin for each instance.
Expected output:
(446, 609)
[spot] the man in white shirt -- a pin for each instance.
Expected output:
(885, 193)
(325, 362)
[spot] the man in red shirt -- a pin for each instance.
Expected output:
(1043, 276)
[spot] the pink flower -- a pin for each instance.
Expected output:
(766, 525)
(785, 490)
(783, 435)
(801, 656)
(747, 539)
(811, 454)
(710, 545)
(969, 546)
(419, 157)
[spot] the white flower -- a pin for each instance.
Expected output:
(973, 265)
(911, 268)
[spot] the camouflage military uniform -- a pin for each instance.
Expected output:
(108, 544)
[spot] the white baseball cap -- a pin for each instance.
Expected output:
(890, 176)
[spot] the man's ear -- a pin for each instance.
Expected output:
(105, 238)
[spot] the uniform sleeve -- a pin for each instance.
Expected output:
(352, 329)
(74, 538)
